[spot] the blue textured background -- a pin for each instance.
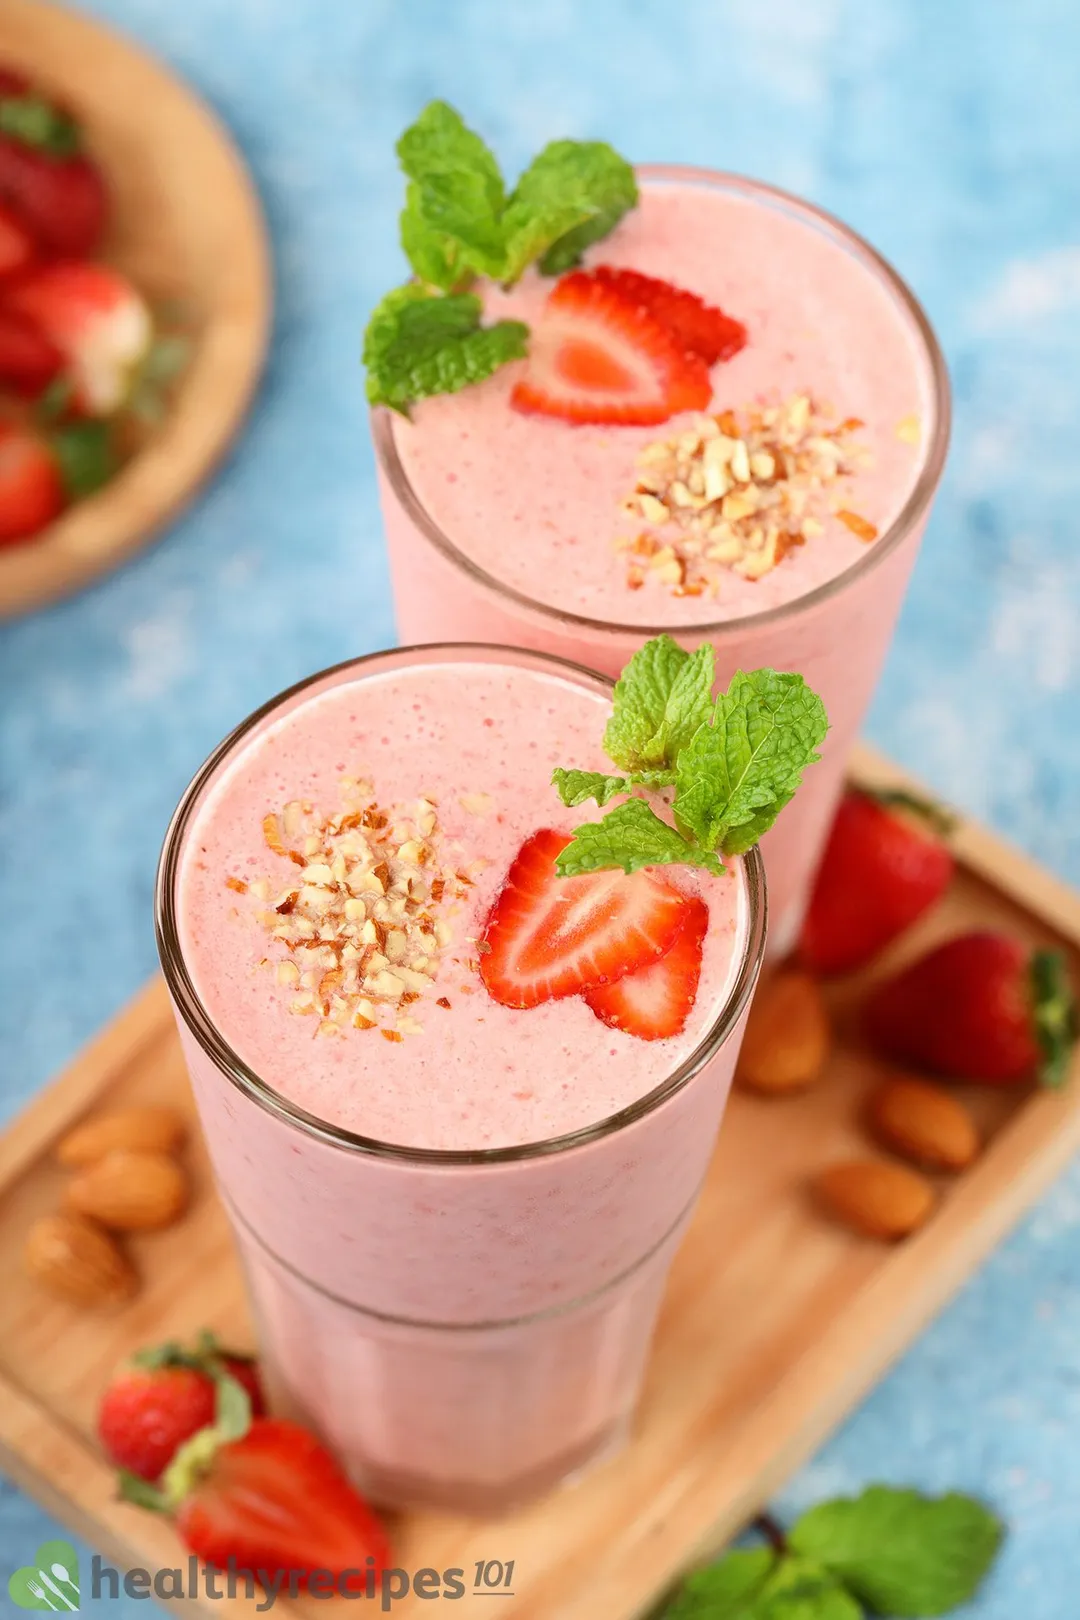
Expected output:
(948, 134)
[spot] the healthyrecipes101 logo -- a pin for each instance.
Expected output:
(50, 1582)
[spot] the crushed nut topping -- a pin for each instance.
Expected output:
(738, 491)
(362, 926)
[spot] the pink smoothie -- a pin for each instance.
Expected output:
(507, 527)
(464, 1315)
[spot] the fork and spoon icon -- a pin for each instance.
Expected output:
(61, 1574)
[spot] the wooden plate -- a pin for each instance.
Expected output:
(188, 229)
(775, 1324)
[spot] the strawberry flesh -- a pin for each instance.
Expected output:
(596, 355)
(277, 1501)
(966, 1010)
(882, 869)
(654, 1003)
(698, 327)
(547, 937)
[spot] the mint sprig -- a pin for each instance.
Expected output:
(734, 762)
(417, 345)
(458, 223)
(892, 1552)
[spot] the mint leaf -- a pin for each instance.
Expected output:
(900, 1552)
(739, 771)
(417, 345)
(435, 257)
(577, 787)
(689, 704)
(640, 704)
(570, 196)
(723, 1591)
(459, 194)
(799, 1589)
(630, 836)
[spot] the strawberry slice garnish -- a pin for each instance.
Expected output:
(276, 1500)
(697, 326)
(548, 936)
(596, 355)
(655, 1002)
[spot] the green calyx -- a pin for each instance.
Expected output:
(1055, 1015)
(232, 1420)
(36, 122)
(459, 222)
(731, 763)
(86, 456)
(937, 817)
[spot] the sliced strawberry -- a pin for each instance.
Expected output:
(32, 489)
(655, 1002)
(598, 356)
(28, 361)
(16, 243)
(548, 936)
(276, 1500)
(699, 327)
(97, 320)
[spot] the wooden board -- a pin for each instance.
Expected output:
(188, 230)
(775, 1323)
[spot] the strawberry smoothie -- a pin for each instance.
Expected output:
(455, 1217)
(529, 529)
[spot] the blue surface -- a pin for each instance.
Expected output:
(949, 135)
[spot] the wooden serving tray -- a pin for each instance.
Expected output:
(776, 1323)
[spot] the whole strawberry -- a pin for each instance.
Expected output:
(884, 865)
(165, 1396)
(46, 179)
(983, 1007)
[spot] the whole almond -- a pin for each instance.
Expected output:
(924, 1123)
(130, 1192)
(787, 1035)
(876, 1198)
(146, 1130)
(76, 1259)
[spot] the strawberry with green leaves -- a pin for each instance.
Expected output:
(48, 182)
(41, 473)
(586, 914)
(96, 319)
(263, 1494)
(982, 1006)
(885, 864)
(163, 1397)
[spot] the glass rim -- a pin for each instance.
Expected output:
(914, 509)
(229, 1063)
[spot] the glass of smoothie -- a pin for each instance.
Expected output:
(455, 1216)
(526, 528)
